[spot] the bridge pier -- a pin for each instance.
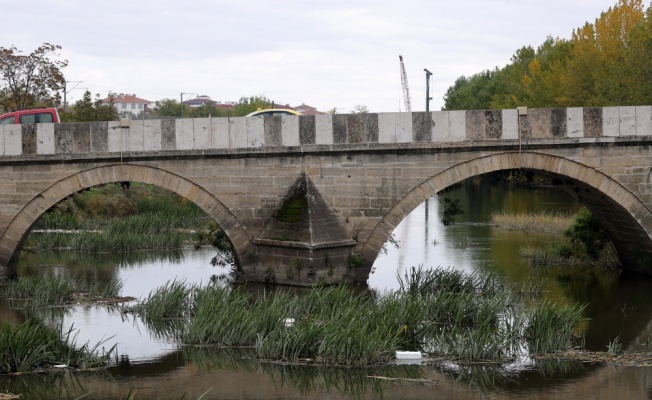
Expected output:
(303, 243)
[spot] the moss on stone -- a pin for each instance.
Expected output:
(293, 210)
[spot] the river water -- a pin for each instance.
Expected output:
(154, 368)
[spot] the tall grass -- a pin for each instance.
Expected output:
(31, 346)
(552, 327)
(109, 219)
(546, 221)
(51, 289)
(442, 312)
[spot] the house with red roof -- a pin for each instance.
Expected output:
(128, 104)
(307, 110)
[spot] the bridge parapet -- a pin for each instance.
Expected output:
(279, 131)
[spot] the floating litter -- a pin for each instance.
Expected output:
(408, 355)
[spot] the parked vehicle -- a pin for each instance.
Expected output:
(273, 111)
(31, 116)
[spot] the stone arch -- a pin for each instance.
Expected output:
(624, 216)
(22, 222)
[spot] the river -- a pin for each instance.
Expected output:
(154, 368)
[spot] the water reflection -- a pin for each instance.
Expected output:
(152, 363)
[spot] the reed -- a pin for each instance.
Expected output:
(552, 326)
(32, 346)
(111, 241)
(546, 221)
(50, 289)
(172, 300)
(442, 312)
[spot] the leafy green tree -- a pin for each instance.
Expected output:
(206, 110)
(250, 104)
(471, 93)
(88, 110)
(167, 108)
(31, 80)
(587, 234)
(608, 62)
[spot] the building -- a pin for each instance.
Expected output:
(200, 101)
(307, 110)
(128, 104)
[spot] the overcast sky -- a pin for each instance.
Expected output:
(328, 54)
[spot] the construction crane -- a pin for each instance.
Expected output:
(406, 89)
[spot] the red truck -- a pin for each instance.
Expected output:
(30, 116)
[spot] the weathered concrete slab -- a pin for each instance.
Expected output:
(324, 129)
(152, 135)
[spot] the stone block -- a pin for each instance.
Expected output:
(540, 121)
(509, 119)
(324, 129)
(136, 135)
(168, 134)
(238, 131)
(28, 133)
(184, 135)
(422, 127)
(152, 135)
(493, 124)
(290, 130)
(255, 131)
(475, 124)
(99, 136)
(307, 130)
(575, 122)
(611, 121)
(219, 128)
(387, 127)
(593, 121)
(116, 137)
(339, 128)
(558, 122)
(201, 134)
(403, 127)
(644, 121)
(627, 121)
(456, 126)
(440, 126)
(13, 140)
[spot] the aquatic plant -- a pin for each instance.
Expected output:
(445, 313)
(33, 345)
(52, 289)
(552, 327)
(543, 221)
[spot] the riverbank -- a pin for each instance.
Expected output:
(581, 239)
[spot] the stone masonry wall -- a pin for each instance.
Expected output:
(445, 127)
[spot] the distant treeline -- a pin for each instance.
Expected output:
(608, 62)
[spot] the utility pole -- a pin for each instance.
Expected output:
(65, 91)
(428, 98)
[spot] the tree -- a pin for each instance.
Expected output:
(31, 80)
(360, 109)
(471, 93)
(250, 104)
(167, 108)
(87, 110)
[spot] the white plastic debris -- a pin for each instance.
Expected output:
(289, 322)
(408, 355)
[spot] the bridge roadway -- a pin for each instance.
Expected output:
(314, 198)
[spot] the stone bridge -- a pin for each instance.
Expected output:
(314, 198)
